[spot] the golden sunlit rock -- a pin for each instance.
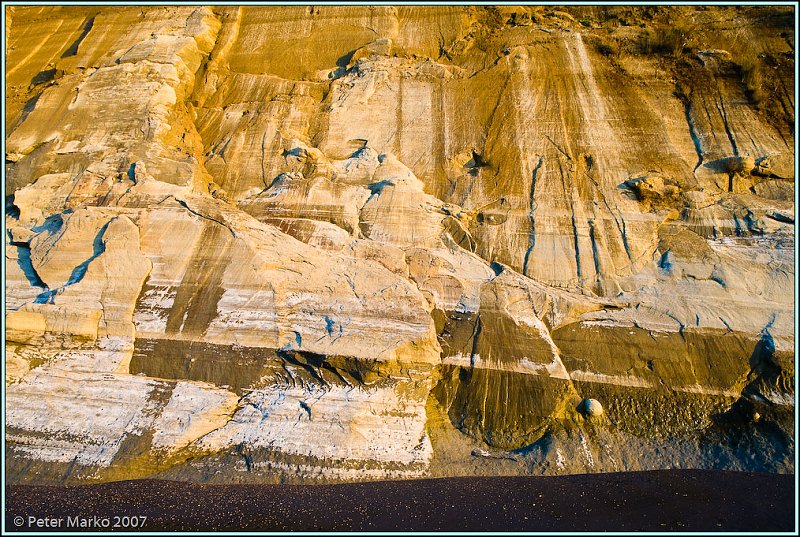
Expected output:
(299, 243)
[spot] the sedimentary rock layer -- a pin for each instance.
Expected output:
(347, 242)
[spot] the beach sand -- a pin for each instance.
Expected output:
(668, 500)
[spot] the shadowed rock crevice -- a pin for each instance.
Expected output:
(73, 48)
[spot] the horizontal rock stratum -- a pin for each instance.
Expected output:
(350, 242)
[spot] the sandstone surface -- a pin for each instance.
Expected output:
(308, 243)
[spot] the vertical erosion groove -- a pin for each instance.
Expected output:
(531, 216)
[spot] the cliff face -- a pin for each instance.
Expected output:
(299, 243)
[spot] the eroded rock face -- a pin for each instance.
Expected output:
(326, 243)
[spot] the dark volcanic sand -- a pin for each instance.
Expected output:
(674, 500)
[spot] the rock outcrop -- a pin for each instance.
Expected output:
(349, 242)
